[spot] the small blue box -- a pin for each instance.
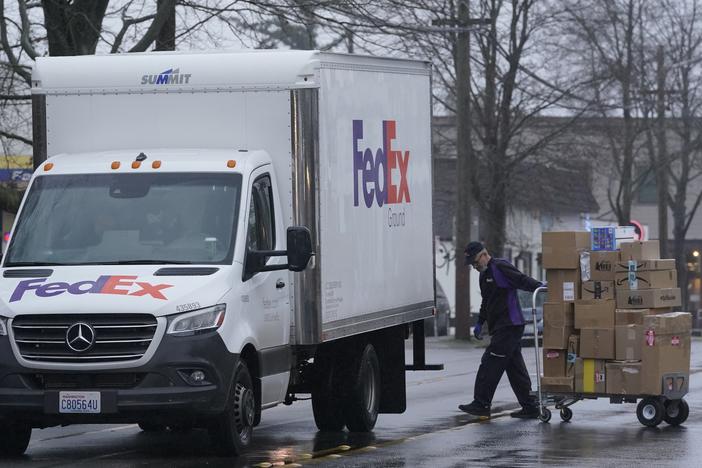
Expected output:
(604, 238)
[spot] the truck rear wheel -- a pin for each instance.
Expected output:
(363, 392)
(326, 402)
(14, 437)
(232, 431)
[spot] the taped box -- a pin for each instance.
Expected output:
(563, 285)
(557, 384)
(640, 250)
(602, 265)
(573, 353)
(628, 342)
(561, 250)
(630, 316)
(556, 337)
(654, 279)
(590, 376)
(648, 298)
(555, 362)
(594, 314)
(597, 290)
(666, 349)
(597, 343)
(645, 265)
(559, 314)
(623, 378)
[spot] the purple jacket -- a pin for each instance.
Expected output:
(498, 287)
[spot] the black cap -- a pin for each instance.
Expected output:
(472, 249)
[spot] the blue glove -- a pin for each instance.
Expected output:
(478, 331)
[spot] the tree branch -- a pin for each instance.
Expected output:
(162, 15)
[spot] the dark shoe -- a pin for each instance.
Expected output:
(476, 409)
(526, 413)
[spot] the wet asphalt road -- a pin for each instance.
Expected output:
(431, 433)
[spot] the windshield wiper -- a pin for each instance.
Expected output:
(26, 264)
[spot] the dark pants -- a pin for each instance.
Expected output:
(504, 354)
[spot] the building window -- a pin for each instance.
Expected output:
(647, 192)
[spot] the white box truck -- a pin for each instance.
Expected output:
(208, 235)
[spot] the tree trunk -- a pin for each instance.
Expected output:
(166, 36)
(73, 28)
(680, 253)
(496, 216)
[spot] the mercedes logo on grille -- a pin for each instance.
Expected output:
(80, 337)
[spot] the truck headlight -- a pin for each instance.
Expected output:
(198, 321)
(3, 326)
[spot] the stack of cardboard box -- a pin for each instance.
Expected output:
(608, 326)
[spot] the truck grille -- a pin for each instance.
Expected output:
(103, 337)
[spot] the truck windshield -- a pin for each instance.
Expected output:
(127, 219)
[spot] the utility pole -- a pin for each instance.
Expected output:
(462, 27)
(661, 168)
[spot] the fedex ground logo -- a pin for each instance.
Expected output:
(120, 285)
(380, 174)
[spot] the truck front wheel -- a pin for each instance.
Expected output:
(14, 437)
(363, 392)
(232, 431)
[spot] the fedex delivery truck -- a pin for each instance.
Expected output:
(210, 235)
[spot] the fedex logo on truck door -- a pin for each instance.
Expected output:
(121, 285)
(381, 174)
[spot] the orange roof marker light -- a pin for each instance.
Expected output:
(48, 166)
(231, 163)
(156, 164)
(136, 164)
(115, 165)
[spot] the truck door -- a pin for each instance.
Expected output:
(269, 310)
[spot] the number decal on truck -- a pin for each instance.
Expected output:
(187, 307)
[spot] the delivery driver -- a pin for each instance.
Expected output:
(499, 281)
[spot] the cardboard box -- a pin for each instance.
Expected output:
(640, 250)
(645, 265)
(654, 279)
(572, 356)
(602, 265)
(555, 362)
(666, 349)
(623, 378)
(556, 337)
(559, 314)
(648, 298)
(597, 290)
(590, 376)
(630, 316)
(628, 341)
(563, 285)
(594, 314)
(560, 250)
(557, 384)
(597, 343)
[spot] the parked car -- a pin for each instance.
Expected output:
(438, 325)
(525, 301)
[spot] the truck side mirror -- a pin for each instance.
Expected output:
(299, 248)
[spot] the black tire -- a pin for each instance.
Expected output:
(650, 411)
(363, 392)
(327, 404)
(566, 414)
(151, 427)
(676, 412)
(231, 432)
(14, 438)
(545, 416)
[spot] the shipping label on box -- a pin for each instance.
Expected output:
(648, 298)
(573, 353)
(561, 250)
(590, 376)
(557, 384)
(623, 378)
(630, 316)
(645, 265)
(640, 250)
(555, 362)
(654, 279)
(597, 290)
(597, 343)
(559, 314)
(629, 340)
(666, 349)
(562, 285)
(602, 265)
(594, 314)
(556, 337)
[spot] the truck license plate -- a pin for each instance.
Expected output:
(79, 402)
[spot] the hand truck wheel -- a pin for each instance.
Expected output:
(676, 412)
(650, 411)
(566, 414)
(545, 415)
